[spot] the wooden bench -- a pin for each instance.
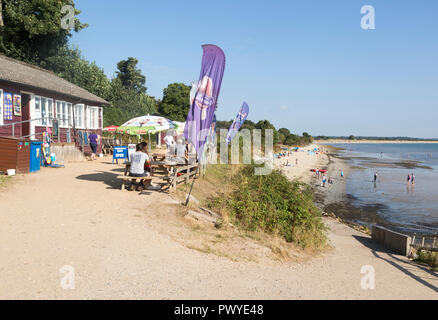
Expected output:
(125, 179)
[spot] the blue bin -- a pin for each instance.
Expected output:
(35, 155)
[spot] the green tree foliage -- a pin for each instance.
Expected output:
(176, 102)
(285, 132)
(126, 104)
(1, 14)
(130, 76)
(32, 29)
(72, 66)
(265, 125)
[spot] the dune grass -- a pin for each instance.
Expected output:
(271, 204)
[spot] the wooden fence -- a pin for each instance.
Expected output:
(190, 172)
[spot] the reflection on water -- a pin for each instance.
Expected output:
(392, 200)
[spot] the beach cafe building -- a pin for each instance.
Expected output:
(34, 100)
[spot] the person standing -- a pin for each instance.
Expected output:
(93, 139)
(342, 173)
(375, 177)
(170, 143)
(409, 178)
(324, 180)
(412, 178)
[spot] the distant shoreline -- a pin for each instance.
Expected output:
(346, 141)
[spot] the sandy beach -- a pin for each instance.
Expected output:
(300, 163)
(117, 244)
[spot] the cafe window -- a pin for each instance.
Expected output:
(44, 110)
(94, 118)
(79, 115)
(62, 113)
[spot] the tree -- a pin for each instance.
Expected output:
(176, 102)
(130, 76)
(1, 14)
(265, 125)
(72, 66)
(129, 103)
(285, 132)
(128, 94)
(32, 29)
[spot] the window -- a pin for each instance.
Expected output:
(68, 120)
(38, 109)
(1, 107)
(44, 110)
(49, 106)
(94, 117)
(79, 115)
(61, 113)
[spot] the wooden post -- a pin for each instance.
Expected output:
(422, 243)
(434, 241)
(175, 175)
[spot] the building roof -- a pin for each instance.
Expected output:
(18, 72)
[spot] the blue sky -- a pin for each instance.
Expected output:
(306, 65)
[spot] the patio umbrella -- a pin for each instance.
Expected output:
(110, 128)
(146, 125)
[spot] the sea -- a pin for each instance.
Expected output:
(392, 201)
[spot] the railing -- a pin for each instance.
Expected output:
(43, 122)
(425, 242)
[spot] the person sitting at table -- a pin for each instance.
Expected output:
(138, 160)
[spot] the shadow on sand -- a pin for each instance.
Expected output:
(109, 178)
(406, 266)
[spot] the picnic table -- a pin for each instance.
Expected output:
(173, 172)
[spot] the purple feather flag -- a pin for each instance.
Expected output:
(204, 104)
(238, 122)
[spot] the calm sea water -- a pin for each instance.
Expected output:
(409, 208)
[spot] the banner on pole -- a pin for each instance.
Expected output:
(204, 101)
(238, 122)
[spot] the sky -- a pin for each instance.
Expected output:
(304, 65)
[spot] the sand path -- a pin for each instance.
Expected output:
(77, 216)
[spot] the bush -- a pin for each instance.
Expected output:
(275, 205)
(428, 257)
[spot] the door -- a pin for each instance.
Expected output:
(25, 109)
